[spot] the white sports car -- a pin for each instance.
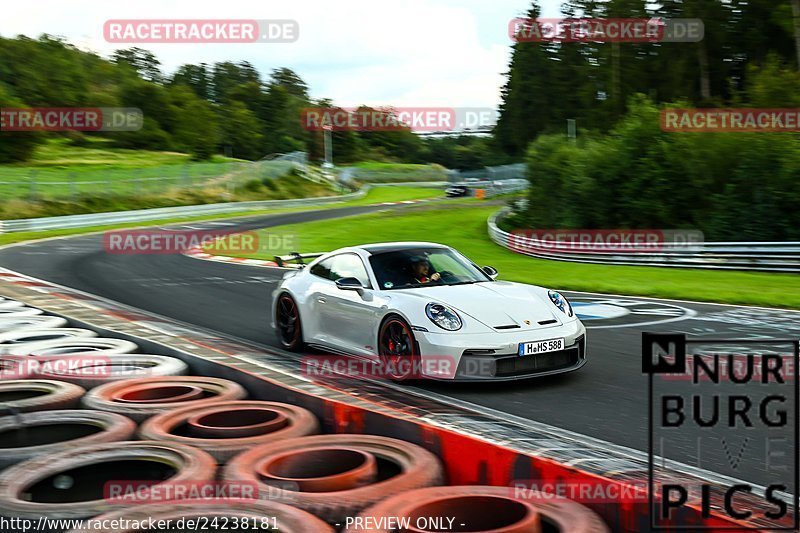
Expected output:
(428, 306)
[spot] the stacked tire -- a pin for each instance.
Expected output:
(93, 429)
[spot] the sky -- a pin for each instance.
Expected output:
(372, 52)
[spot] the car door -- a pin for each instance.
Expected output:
(349, 316)
(315, 329)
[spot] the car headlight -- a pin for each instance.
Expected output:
(443, 316)
(561, 302)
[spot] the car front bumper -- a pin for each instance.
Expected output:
(494, 357)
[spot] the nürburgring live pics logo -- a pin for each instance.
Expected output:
(706, 396)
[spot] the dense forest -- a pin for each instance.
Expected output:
(226, 108)
(622, 169)
(749, 56)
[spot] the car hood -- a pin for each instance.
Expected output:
(499, 303)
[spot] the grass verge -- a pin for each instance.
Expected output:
(464, 228)
(59, 168)
(376, 195)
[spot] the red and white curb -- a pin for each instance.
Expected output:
(198, 253)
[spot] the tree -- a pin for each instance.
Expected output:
(526, 97)
(196, 77)
(796, 24)
(239, 131)
(294, 84)
(143, 62)
(195, 128)
(226, 76)
(15, 146)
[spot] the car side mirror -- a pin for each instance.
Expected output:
(490, 271)
(349, 284)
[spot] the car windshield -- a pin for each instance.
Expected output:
(422, 267)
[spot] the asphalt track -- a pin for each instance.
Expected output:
(607, 399)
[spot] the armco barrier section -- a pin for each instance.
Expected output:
(144, 215)
(763, 256)
(475, 448)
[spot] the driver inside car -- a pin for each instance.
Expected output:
(420, 268)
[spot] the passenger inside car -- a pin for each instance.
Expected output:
(420, 271)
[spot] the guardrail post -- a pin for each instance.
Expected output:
(73, 187)
(32, 185)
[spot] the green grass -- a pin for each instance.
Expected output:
(60, 168)
(397, 194)
(379, 172)
(98, 152)
(464, 228)
(377, 195)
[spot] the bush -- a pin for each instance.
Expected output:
(731, 186)
(16, 146)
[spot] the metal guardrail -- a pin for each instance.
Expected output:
(763, 256)
(144, 215)
(422, 174)
(501, 172)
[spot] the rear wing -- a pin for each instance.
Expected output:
(295, 260)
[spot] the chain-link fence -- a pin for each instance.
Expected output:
(501, 172)
(56, 184)
(406, 173)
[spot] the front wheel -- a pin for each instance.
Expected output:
(397, 349)
(287, 319)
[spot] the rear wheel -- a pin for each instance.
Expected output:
(398, 349)
(287, 319)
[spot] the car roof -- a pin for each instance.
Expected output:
(382, 247)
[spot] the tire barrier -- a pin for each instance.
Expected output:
(75, 346)
(17, 312)
(342, 474)
(14, 323)
(19, 338)
(92, 371)
(10, 304)
(14, 367)
(78, 483)
(480, 508)
(31, 435)
(144, 397)
(254, 515)
(24, 395)
(227, 428)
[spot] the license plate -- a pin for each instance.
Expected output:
(537, 347)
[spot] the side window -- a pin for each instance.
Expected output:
(349, 266)
(444, 262)
(323, 268)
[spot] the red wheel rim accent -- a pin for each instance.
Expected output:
(288, 320)
(397, 349)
